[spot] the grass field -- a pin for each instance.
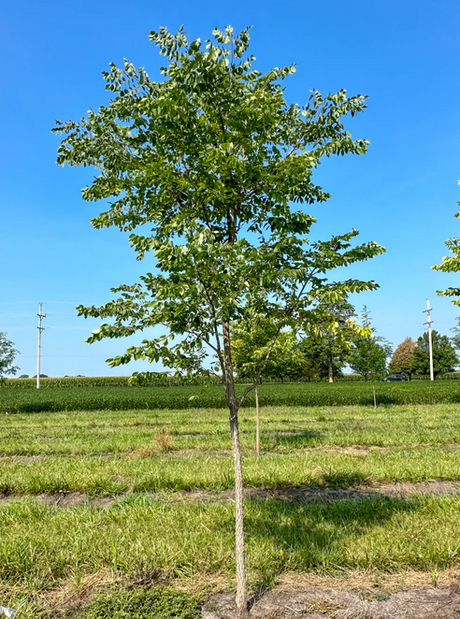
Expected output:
(14, 400)
(94, 500)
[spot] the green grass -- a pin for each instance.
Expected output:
(196, 397)
(104, 453)
(45, 545)
(142, 603)
(170, 473)
(141, 457)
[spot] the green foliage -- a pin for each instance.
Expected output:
(154, 379)
(455, 338)
(329, 334)
(444, 357)
(402, 360)
(252, 343)
(194, 163)
(7, 356)
(140, 603)
(451, 264)
(369, 353)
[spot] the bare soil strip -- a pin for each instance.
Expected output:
(311, 494)
(287, 602)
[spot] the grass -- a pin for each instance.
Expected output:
(131, 455)
(212, 396)
(142, 603)
(284, 429)
(144, 535)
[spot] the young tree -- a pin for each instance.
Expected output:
(401, 361)
(369, 353)
(444, 357)
(7, 356)
(203, 169)
(330, 331)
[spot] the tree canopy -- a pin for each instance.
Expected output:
(369, 353)
(250, 345)
(7, 356)
(208, 169)
(444, 357)
(329, 333)
(401, 361)
(451, 264)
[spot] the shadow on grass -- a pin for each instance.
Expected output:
(315, 536)
(306, 438)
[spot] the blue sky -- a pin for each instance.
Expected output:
(402, 194)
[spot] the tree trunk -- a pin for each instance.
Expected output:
(375, 397)
(331, 370)
(257, 422)
(241, 593)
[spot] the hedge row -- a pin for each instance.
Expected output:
(294, 394)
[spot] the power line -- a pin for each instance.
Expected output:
(39, 340)
(430, 339)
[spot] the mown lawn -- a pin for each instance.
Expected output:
(140, 458)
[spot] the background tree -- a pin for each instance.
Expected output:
(401, 361)
(251, 342)
(369, 353)
(202, 169)
(329, 335)
(451, 264)
(444, 357)
(7, 356)
(455, 337)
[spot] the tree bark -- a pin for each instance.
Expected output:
(375, 397)
(241, 592)
(331, 370)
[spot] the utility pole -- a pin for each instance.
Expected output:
(430, 339)
(39, 340)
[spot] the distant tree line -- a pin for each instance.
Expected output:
(336, 341)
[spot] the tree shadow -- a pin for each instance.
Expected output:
(290, 534)
(304, 438)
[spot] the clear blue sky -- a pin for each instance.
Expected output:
(402, 194)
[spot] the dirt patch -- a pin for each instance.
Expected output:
(70, 499)
(287, 602)
(312, 494)
(308, 494)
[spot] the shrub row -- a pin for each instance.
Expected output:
(293, 394)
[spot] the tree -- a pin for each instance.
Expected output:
(444, 357)
(401, 361)
(329, 331)
(369, 353)
(455, 338)
(7, 356)
(451, 264)
(204, 169)
(250, 344)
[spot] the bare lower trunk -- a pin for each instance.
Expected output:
(241, 593)
(331, 371)
(257, 422)
(375, 397)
